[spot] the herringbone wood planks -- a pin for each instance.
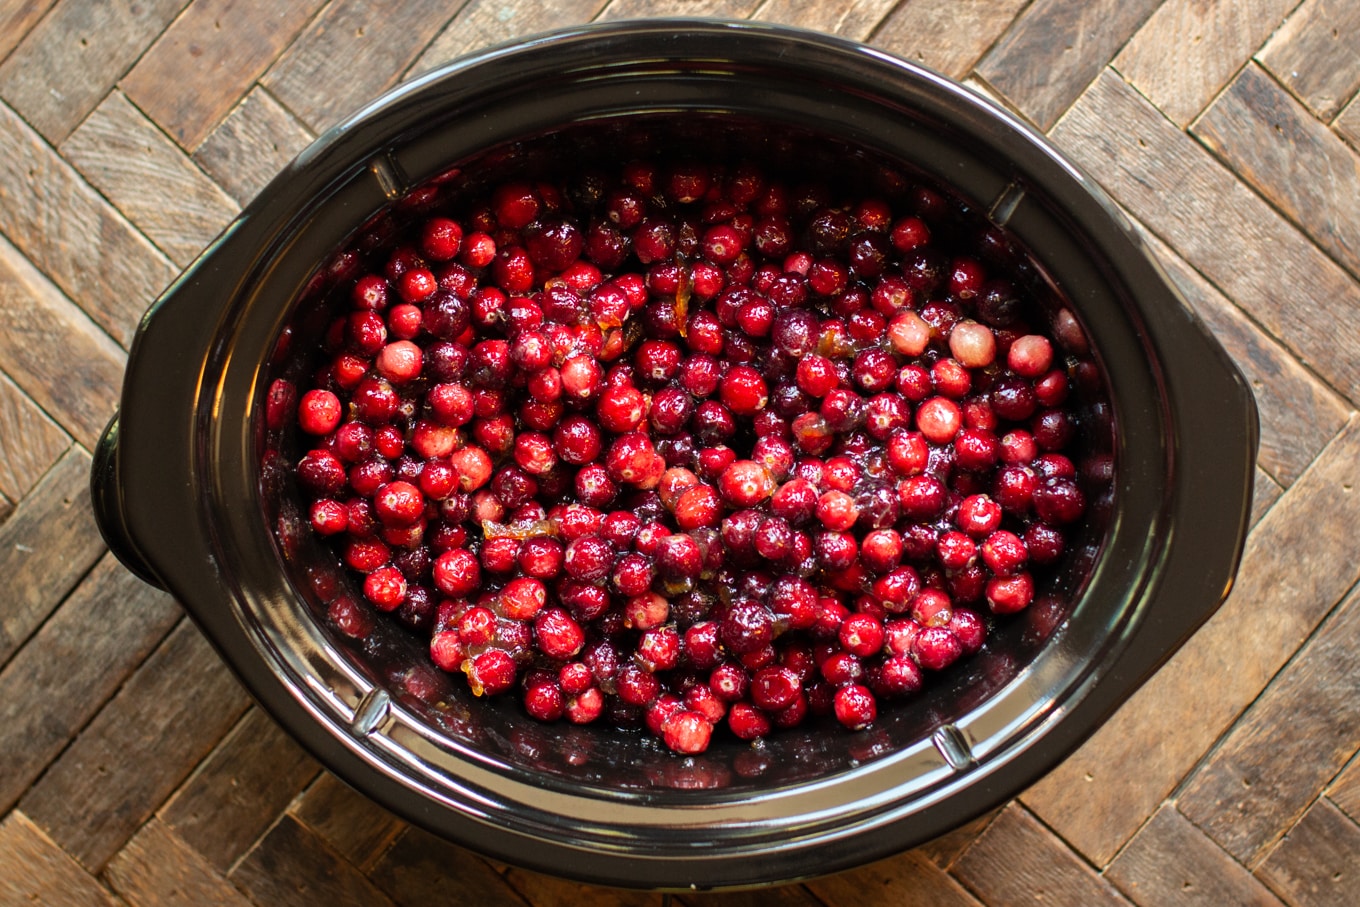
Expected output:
(134, 771)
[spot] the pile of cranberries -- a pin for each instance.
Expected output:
(686, 445)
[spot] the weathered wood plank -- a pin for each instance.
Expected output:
(946, 849)
(46, 546)
(33, 870)
(80, 241)
(1265, 493)
(71, 59)
(854, 19)
(138, 748)
(947, 35)
(546, 891)
(1292, 574)
(356, 827)
(239, 790)
(1189, 49)
(201, 66)
(1170, 863)
(291, 867)
(1316, 54)
(1345, 790)
(481, 23)
(1289, 745)
(1219, 225)
(633, 9)
(1268, 138)
(349, 54)
(29, 441)
(422, 869)
(1299, 414)
(783, 896)
(157, 869)
(1347, 124)
(149, 178)
(252, 145)
(66, 671)
(908, 879)
(1318, 863)
(1055, 48)
(1017, 860)
(54, 352)
(16, 18)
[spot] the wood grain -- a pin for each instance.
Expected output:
(783, 896)
(33, 870)
(70, 59)
(82, 243)
(54, 352)
(1265, 493)
(1170, 863)
(1299, 414)
(157, 869)
(422, 869)
(1189, 49)
(204, 62)
(947, 35)
(909, 880)
(1287, 747)
(1016, 860)
(1055, 48)
(1318, 863)
(356, 827)
(1219, 226)
(16, 18)
(946, 849)
(481, 23)
(854, 19)
(348, 55)
(291, 867)
(633, 9)
(1347, 124)
(65, 672)
(46, 546)
(149, 178)
(29, 441)
(1345, 790)
(252, 145)
(1316, 54)
(138, 748)
(1268, 137)
(545, 891)
(239, 790)
(1291, 576)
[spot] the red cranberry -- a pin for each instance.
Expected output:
(855, 706)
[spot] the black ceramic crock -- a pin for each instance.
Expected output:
(186, 498)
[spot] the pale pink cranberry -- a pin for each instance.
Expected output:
(972, 344)
(399, 361)
(1030, 356)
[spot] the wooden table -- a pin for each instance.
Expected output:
(133, 768)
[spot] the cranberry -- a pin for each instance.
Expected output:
(319, 412)
(766, 447)
(855, 706)
(743, 390)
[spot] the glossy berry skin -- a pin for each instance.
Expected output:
(676, 446)
(319, 412)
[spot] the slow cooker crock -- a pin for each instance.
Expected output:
(186, 496)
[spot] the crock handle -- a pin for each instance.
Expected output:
(106, 495)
